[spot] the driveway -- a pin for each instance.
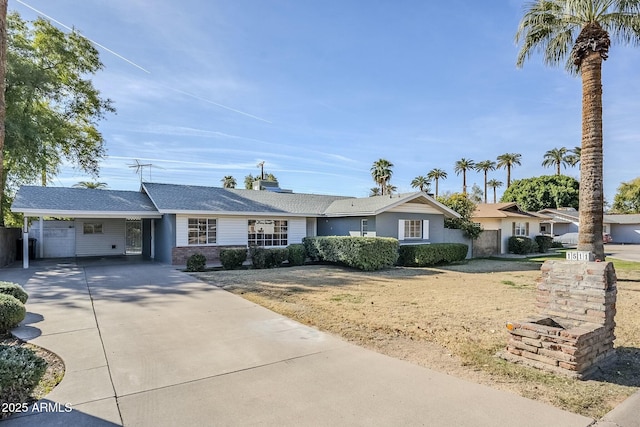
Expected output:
(146, 345)
(625, 252)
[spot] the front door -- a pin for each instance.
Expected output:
(134, 237)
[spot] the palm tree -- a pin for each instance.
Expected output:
(228, 182)
(381, 173)
(390, 189)
(436, 175)
(578, 31)
(507, 161)
(462, 166)
(573, 158)
(556, 157)
(91, 185)
(421, 182)
(494, 183)
(485, 166)
(374, 191)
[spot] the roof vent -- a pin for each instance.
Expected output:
(273, 186)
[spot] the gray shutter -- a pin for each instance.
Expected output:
(425, 229)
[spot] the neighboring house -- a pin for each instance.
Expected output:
(171, 222)
(622, 228)
(509, 220)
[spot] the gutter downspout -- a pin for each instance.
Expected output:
(25, 244)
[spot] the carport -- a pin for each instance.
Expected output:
(87, 222)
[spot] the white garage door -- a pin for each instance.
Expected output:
(59, 239)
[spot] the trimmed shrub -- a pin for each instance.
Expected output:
(267, 257)
(544, 243)
(522, 245)
(20, 372)
(364, 253)
(12, 312)
(14, 290)
(556, 244)
(196, 262)
(433, 254)
(232, 258)
(296, 255)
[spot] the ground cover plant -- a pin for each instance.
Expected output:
(450, 318)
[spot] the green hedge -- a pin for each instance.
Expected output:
(522, 245)
(14, 290)
(364, 253)
(196, 262)
(544, 243)
(267, 257)
(232, 258)
(20, 372)
(433, 254)
(296, 254)
(12, 312)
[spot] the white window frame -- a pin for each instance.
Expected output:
(92, 228)
(424, 229)
(521, 229)
(205, 228)
(268, 232)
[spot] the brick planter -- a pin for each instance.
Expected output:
(180, 254)
(574, 332)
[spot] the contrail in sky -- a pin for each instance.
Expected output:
(92, 41)
(141, 68)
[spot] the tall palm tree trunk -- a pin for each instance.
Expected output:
(436, 187)
(464, 182)
(508, 176)
(3, 69)
(494, 194)
(485, 187)
(591, 186)
(558, 168)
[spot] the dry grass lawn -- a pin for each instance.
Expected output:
(450, 319)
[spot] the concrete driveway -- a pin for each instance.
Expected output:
(625, 252)
(146, 345)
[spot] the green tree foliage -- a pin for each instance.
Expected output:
(381, 173)
(627, 199)
(485, 166)
(508, 161)
(494, 183)
(228, 182)
(91, 185)
(421, 182)
(436, 175)
(476, 194)
(543, 192)
(557, 157)
(462, 205)
(52, 107)
(461, 167)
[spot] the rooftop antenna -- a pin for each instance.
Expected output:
(140, 168)
(261, 166)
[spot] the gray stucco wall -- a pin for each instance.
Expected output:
(387, 224)
(342, 226)
(165, 229)
(146, 238)
(625, 233)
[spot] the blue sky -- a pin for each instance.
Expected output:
(319, 90)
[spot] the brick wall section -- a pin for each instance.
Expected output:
(574, 331)
(180, 254)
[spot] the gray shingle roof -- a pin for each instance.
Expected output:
(377, 204)
(192, 198)
(30, 199)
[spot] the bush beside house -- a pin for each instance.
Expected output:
(544, 243)
(364, 253)
(522, 245)
(232, 258)
(433, 254)
(196, 262)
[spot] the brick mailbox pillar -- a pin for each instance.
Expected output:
(574, 331)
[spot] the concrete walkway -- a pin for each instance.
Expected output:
(146, 345)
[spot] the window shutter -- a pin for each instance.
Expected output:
(401, 229)
(527, 228)
(513, 228)
(425, 229)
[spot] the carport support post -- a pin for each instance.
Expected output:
(40, 243)
(25, 243)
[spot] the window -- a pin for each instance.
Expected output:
(520, 229)
(412, 229)
(364, 227)
(92, 228)
(202, 231)
(268, 232)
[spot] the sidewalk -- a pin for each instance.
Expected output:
(146, 345)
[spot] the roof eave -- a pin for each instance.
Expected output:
(87, 214)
